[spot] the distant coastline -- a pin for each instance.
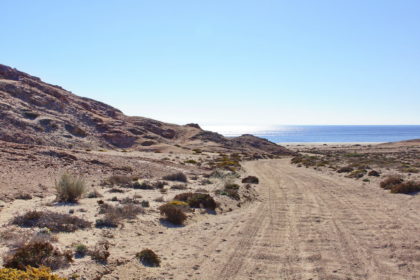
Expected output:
(328, 133)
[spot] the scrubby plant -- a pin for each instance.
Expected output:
(373, 173)
(359, 173)
(179, 177)
(173, 213)
(94, 194)
(145, 203)
(231, 190)
(55, 222)
(406, 187)
(23, 196)
(178, 203)
(114, 215)
(100, 253)
(391, 181)
(70, 188)
(345, 169)
(118, 180)
(250, 180)
(81, 250)
(37, 254)
(30, 273)
(148, 258)
(179, 187)
(197, 200)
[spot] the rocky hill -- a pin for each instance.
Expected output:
(37, 113)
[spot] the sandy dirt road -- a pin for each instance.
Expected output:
(307, 225)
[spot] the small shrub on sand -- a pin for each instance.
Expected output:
(55, 222)
(118, 180)
(173, 214)
(81, 250)
(70, 188)
(30, 273)
(94, 194)
(38, 254)
(391, 181)
(250, 180)
(179, 177)
(114, 215)
(148, 258)
(197, 200)
(346, 169)
(373, 173)
(231, 190)
(406, 187)
(100, 253)
(179, 187)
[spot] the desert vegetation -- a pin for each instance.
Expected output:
(70, 188)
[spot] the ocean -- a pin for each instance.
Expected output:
(331, 133)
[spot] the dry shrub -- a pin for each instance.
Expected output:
(406, 187)
(250, 180)
(81, 250)
(391, 181)
(100, 253)
(148, 258)
(173, 213)
(373, 173)
(345, 169)
(55, 222)
(30, 273)
(179, 177)
(23, 196)
(118, 180)
(114, 215)
(197, 200)
(179, 187)
(70, 188)
(94, 194)
(38, 254)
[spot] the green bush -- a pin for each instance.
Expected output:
(70, 188)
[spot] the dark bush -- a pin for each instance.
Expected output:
(118, 180)
(197, 200)
(148, 258)
(56, 222)
(179, 177)
(38, 254)
(406, 187)
(173, 214)
(81, 250)
(391, 181)
(250, 180)
(345, 169)
(373, 173)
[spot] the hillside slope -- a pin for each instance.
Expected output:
(34, 112)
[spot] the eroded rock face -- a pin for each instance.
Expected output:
(35, 112)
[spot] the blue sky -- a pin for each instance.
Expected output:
(247, 63)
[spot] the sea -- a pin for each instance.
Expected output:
(327, 133)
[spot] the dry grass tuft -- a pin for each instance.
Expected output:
(70, 188)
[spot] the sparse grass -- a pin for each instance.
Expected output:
(55, 222)
(179, 177)
(70, 188)
(148, 258)
(173, 213)
(30, 273)
(38, 254)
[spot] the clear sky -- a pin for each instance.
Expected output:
(250, 63)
